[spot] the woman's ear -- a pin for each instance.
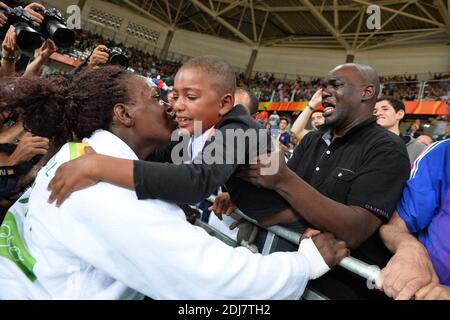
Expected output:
(226, 104)
(123, 115)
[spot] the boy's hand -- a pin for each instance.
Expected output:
(223, 205)
(72, 176)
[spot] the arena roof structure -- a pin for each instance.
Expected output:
(328, 24)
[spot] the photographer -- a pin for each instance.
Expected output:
(102, 55)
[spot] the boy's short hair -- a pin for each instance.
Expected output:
(395, 103)
(220, 71)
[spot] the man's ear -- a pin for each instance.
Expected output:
(368, 92)
(400, 114)
(226, 104)
(123, 115)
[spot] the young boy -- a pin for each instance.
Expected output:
(203, 93)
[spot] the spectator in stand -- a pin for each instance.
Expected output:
(413, 131)
(268, 128)
(390, 112)
(274, 120)
(262, 118)
(299, 127)
(283, 136)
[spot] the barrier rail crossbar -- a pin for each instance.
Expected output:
(369, 272)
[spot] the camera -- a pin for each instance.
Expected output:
(54, 27)
(27, 38)
(117, 57)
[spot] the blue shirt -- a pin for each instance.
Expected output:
(425, 205)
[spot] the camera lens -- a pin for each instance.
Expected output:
(120, 60)
(60, 34)
(27, 39)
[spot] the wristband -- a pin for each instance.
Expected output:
(317, 266)
(309, 107)
(10, 59)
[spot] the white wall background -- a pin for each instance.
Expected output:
(312, 62)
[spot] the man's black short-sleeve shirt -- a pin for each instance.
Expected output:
(368, 168)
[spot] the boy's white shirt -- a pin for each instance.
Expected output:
(196, 144)
(103, 243)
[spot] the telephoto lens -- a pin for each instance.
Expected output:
(27, 38)
(54, 27)
(118, 57)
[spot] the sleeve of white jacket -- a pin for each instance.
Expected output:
(149, 246)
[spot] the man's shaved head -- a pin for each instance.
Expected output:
(368, 76)
(219, 72)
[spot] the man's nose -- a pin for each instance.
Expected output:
(325, 93)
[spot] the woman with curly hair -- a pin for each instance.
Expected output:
(104, 243)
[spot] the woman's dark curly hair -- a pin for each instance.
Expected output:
(63, 109)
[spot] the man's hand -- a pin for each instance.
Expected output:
(99, 56)
(268, 172)
(223, 205)
(27, 148)
(3, 18)
(433, 291)
(33, 10)
(72, 176)
(408, 270)
(9, 45)
(48, 48)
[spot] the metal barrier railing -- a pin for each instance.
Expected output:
(364, 270)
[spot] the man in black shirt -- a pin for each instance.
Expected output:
(347, 177)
